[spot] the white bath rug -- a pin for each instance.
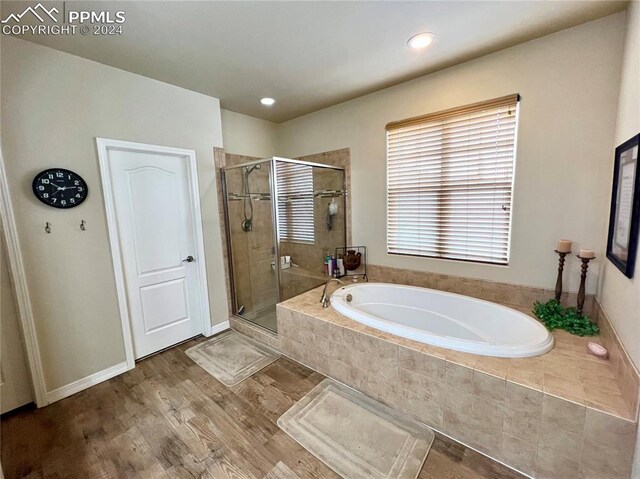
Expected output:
(231, 358)
(357, 436)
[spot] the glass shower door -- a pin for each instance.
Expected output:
(252, 240)
(311, 223)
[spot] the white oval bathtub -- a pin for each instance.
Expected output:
(444, 319)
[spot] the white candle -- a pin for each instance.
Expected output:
(564, 246)
(587, 253)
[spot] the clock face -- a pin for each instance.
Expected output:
(60, 188)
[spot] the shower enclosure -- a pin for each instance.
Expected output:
(284, 218)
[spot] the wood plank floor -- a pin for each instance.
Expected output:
(168, 418)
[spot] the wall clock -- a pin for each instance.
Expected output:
(60, 188)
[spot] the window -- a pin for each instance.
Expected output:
(450, 181)
(295, 202)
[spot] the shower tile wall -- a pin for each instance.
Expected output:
(220, 162)
(342, 159)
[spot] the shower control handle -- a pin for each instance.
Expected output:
(189, 259)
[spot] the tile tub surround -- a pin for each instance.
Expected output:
(503, 293)
(522, 298)
(626, 372)
(557, 415)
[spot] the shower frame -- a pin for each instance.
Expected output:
(273, 191)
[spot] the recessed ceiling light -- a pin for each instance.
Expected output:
(420, 40)
(267, 101)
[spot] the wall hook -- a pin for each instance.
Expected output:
(83, 225)
(47, 227)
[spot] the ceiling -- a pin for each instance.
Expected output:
(306, 55)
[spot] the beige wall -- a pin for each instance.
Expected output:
(248, 136)
(619, 295)
(569, 86)
(53, 106)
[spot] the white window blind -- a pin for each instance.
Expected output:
(450, 180)
(295, 202)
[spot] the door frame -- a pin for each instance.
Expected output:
(104, 145)
(21, 290)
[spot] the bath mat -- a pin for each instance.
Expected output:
(357, 436)
(232, 357)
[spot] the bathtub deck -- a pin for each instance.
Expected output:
(567, 371)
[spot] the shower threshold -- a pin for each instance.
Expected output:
(265, 318)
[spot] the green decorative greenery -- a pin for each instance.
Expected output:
(556, 316)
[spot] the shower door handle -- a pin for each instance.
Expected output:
(189, 259)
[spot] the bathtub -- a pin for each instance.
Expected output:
(447, 320)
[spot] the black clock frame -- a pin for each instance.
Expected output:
(64, 170)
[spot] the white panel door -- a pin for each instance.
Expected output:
(15, 381)
(155, 218)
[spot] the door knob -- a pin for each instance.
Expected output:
(189, 259)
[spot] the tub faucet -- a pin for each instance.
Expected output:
(325, 299)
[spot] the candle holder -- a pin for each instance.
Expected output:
(562, 255)
(583, 280)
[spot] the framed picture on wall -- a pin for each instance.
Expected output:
(624, 218)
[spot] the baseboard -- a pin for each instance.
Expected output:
(218, 328)
(84, 383)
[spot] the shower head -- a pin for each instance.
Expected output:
(254, 167)
(247, 224)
